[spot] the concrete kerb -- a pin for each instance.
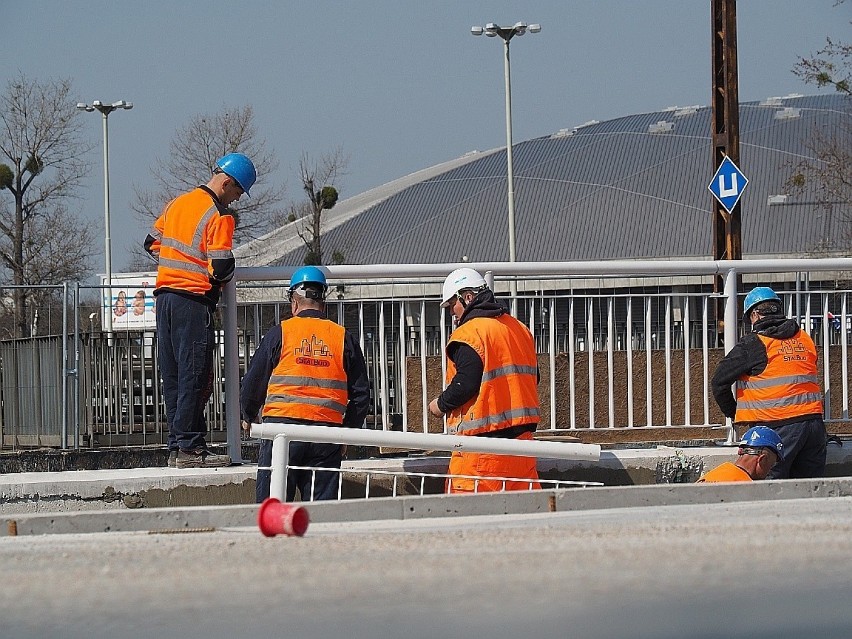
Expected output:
(203, 519)
(145, 488)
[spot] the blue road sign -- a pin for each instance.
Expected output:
(728, 184)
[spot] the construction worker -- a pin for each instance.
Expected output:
(306, 370)
(492, 378)
(775, 370)
(760, 449)
(192, 241)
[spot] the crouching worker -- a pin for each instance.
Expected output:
(760, 449)
(306, 370)
(492, 379)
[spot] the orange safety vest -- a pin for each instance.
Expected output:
(466, 469)
(508, 395)
(725, 472)
(190, 232)
(787, 388)
(309, 381)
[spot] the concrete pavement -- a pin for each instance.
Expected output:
(765, 569)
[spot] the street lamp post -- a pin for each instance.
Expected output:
(105, 110)
(507, 33)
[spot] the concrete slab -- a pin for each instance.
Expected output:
(210, 518)
(159, 487)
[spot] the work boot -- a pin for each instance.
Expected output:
(200, 458)
(172, 459)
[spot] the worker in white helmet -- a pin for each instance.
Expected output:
(491, 390)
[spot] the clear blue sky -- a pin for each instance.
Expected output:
(400, 85)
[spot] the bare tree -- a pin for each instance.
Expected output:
(318, 179)
(830, 66)
(828, 172)
(193, 153)
(41, 241)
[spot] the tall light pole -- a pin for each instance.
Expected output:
(507, 33)
(105, 110)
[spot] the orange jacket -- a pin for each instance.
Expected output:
(725, 472)
(309, 382)
(787, 388)
(508, 395)
(192, 240)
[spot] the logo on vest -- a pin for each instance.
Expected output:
(310, 351)
(792, 350)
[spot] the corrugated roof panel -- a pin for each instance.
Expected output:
(612, 190)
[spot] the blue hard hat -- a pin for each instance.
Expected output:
(308, 275)
(763, 437)
(239, 167)
(757, 295)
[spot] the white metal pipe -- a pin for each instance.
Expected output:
(649, 405)
(383, 369)
(705, 356)
(590, 352)
(552, 361)
(610, 362)
(423, 354)
(401, 366)
(629, 348)
(687, 394)
(419, 441)
(636, 268)
(572, 381)
(730, 329)
(844, 363)
(232, 374)
(668, 334)
(280, 460)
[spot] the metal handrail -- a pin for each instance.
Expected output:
(282, 434)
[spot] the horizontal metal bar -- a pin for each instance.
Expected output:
(635, 268)
(428, 441)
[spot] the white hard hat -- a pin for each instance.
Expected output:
(459, 280)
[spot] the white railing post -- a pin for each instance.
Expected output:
(731, 313)
(232, 372)
(280, 461)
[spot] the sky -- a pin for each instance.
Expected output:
(397, 85)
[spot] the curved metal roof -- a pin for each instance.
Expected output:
(606, 190)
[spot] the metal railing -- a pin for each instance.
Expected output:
(282, 434)
(621, 345)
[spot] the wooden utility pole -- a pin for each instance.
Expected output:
(727, 240)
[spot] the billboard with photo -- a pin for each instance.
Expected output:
(129, 301)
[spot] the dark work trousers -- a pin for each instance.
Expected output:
(302, 454)
(804, 449)
(185, 350)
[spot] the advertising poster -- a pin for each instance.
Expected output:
(132, 301)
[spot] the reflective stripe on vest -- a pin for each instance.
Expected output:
(787, 388)
(309, 381)
(184, 255)
(508, 394)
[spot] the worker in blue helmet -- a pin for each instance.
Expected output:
(306, 370)
(240, 168)
(309, 280)
(192, 243)
(774, 367)
(759, 450)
